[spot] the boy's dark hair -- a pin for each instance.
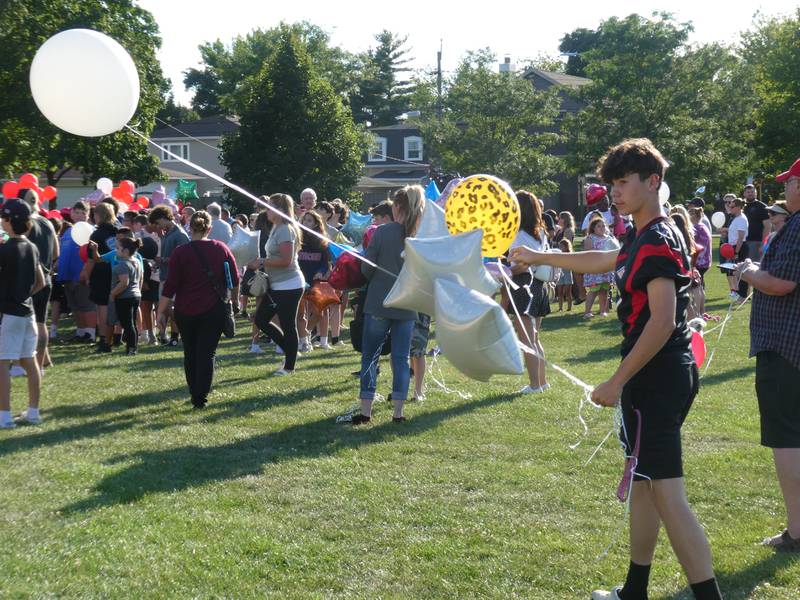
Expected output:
(127, 232)
(130, 244)
(130, 215)
(160, 212)
(141, 219)
(21, 226)
(637, 155)
(80, 205)
(113, 202)
(324, 205)
(382, 209)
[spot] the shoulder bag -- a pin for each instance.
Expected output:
(228, 324)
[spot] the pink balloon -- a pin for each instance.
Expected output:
(698, 348)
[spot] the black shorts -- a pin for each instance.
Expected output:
(41, 301)
(151, 294)
(778, 400)
(663, 392)
(100, 285)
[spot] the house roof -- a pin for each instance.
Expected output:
(557, 78)
(412, 175)
(398, 127)
(173, 174)
(215, 126)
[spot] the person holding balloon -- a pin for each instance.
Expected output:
(657, 380)
(314, 260)
(737, 237)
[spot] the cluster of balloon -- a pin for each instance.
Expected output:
(356, 225)
(186, 190)
(443, 275)
(488, 203)
(244, 245)
(29, 181)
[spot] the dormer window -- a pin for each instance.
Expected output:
(413, 148)
(378, 151)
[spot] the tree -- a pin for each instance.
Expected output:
(295, 131)
(494, 123)
(28, 142)
(772, 52)
(383, 91)
(173, 113)
(647, 82)
(574, 44)
(222, 85)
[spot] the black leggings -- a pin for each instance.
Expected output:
(126, 313)
(284, 303)
(200, 335)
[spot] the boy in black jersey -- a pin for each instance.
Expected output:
(657, 379)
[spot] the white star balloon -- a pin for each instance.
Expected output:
(432, 223)
(474, 332)
(453, 257)
(244, 245)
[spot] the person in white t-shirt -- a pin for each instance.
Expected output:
(737, 236)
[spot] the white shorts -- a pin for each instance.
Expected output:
(18, 336)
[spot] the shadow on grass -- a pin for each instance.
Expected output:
(737, 373)
(177, 469)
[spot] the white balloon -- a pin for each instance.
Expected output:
(105, 185)
(475, 333)
(718, 219)
(663, 193)
(455, 257)
(433, 223)
(85, 83)
(81, 232)
(244, 245)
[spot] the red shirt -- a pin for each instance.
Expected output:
(187, 279)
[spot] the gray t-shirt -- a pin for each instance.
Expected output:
(174, 237)
(280, 234)
(44, 237)
(133, 269)
(220, 231)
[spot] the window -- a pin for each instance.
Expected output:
(378, 151)
(413, 148)
(181, 150)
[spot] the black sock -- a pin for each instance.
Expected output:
(335, 340)
(117, 339)
(706, 590)
(635, 587)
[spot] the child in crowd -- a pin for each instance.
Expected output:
(126, 278)
(598, 285)
(564, 285)
(419, 346)
(315, 263)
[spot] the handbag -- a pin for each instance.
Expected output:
(228, 323)
(322, 295)
(259, 284)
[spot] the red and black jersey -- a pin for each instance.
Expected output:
(658, 250)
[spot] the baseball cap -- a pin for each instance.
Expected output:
(15, 210)
(778, 209)
(697, 202)
(594, 194)
(794, 171)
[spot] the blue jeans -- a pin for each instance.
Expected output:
(375, 331)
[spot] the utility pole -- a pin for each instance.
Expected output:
(439, 81)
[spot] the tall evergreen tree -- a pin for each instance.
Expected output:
(295, 131)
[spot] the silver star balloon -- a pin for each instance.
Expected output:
(453, 257)
(432, 223)
(244, 245)
(474, 332)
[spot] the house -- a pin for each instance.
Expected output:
(397, 159)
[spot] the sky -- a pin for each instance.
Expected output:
(519, 29)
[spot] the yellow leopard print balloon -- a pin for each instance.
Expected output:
(484, 202)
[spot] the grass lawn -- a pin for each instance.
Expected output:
(125, 491)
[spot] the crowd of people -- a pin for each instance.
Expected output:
(160, 276)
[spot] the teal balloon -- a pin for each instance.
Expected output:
(356, 225)
(432, 192)
(337, 250)
(186, 190)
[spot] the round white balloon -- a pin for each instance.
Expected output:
(85, 83)
(105, 185)
(81, 232)
(718, 219)
(663, 193)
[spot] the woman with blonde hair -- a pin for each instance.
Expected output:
(385, 250)
(285, 280)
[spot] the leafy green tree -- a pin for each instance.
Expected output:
(494, 123)
(772, 52)
(647, 82)
(574, 44)
(28, 142)
(173, 113)
(295, 131)
(222, 85)
(384, 88)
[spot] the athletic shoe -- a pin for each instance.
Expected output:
(17, 371)
(324, 346)
(783, 542)
(256, 349)
(9, 425)
(281, 372)
(418, 397)
(604, 595)
(306, 347)
(535, 390)
(278, 349)
(24, 419)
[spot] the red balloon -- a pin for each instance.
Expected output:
(117, 193)
(39, 192)
(127, 185)
(698, 348)
(135, 207)
(10, 189)
(143, 201)
(29, 180)
(727, 251)
(127, 198)
(83, 252)
(49, 192)
(55, 214)
(594, 193)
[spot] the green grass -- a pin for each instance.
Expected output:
(124, 491)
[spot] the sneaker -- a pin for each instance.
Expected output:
(360, 419)
(9, 425)
(102, 348)
(604, 595)
(24, 419)
(783, 542)
(535, 390)
(17, 371)
(305, 347)
(281, 372)
(734, 296)
(278, 349)
(418, 397)
(256, 349)
(325, 346)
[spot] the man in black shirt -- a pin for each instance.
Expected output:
(657, 380)
(21, 276)
(759, 225)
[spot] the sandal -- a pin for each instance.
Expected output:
(783, 542)
(360, 419)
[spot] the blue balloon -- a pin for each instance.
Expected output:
(432, 192)
(337, 250)
(356, 225)
(700, 190)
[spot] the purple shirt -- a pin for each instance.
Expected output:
(702, 236)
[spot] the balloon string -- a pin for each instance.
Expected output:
(440, 382)
(257, 200)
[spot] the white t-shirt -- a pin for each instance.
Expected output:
(738, 224)
(607, 217)
(524, 238)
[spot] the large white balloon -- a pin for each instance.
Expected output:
(105, 185)
(663, 193)
(433, 223)
(244, 245)
(85, 83)
(475, 333)
(81, 232)
(455, 257)
(718, 219)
